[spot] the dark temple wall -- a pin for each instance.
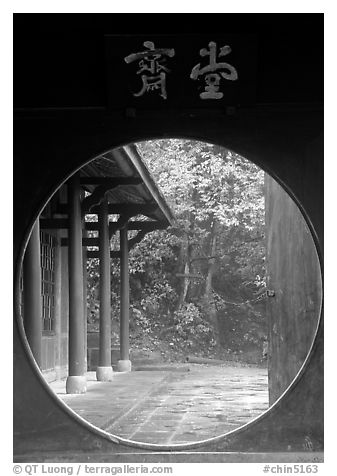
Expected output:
(293, 273)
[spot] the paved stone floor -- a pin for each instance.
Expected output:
(182, 405)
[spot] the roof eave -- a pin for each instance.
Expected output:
(149, 182)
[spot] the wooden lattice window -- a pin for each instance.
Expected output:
(48, 243)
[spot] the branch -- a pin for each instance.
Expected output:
(205, 258)
(257, 238)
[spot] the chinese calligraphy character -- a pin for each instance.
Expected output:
(212, 76)
(151, 65)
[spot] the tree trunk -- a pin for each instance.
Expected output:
(208, 295)
(186, 283)
(185, 255)
(185, 260)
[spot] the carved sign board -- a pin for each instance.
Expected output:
(180, 71)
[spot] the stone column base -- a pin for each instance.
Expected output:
(124, 366)
(76, 384)
(104, 374)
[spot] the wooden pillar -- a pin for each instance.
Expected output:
(32, 293)
(104, 369)
(76, 381)
(85, 312)
(124, 364)
(57, 308)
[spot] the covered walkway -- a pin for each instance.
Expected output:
(181, 404)
(114, 193)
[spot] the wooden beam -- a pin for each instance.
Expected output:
(132, 225)
(54, 223)
(97, 196)
(136, 239)
(147, 225)
(86, 241)
(117, 254)
(113, 228)
(130, 209)
(102, 189)
(62, 223)
(93, 225)
(113, 181)
(95, 254)
(94, 241)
